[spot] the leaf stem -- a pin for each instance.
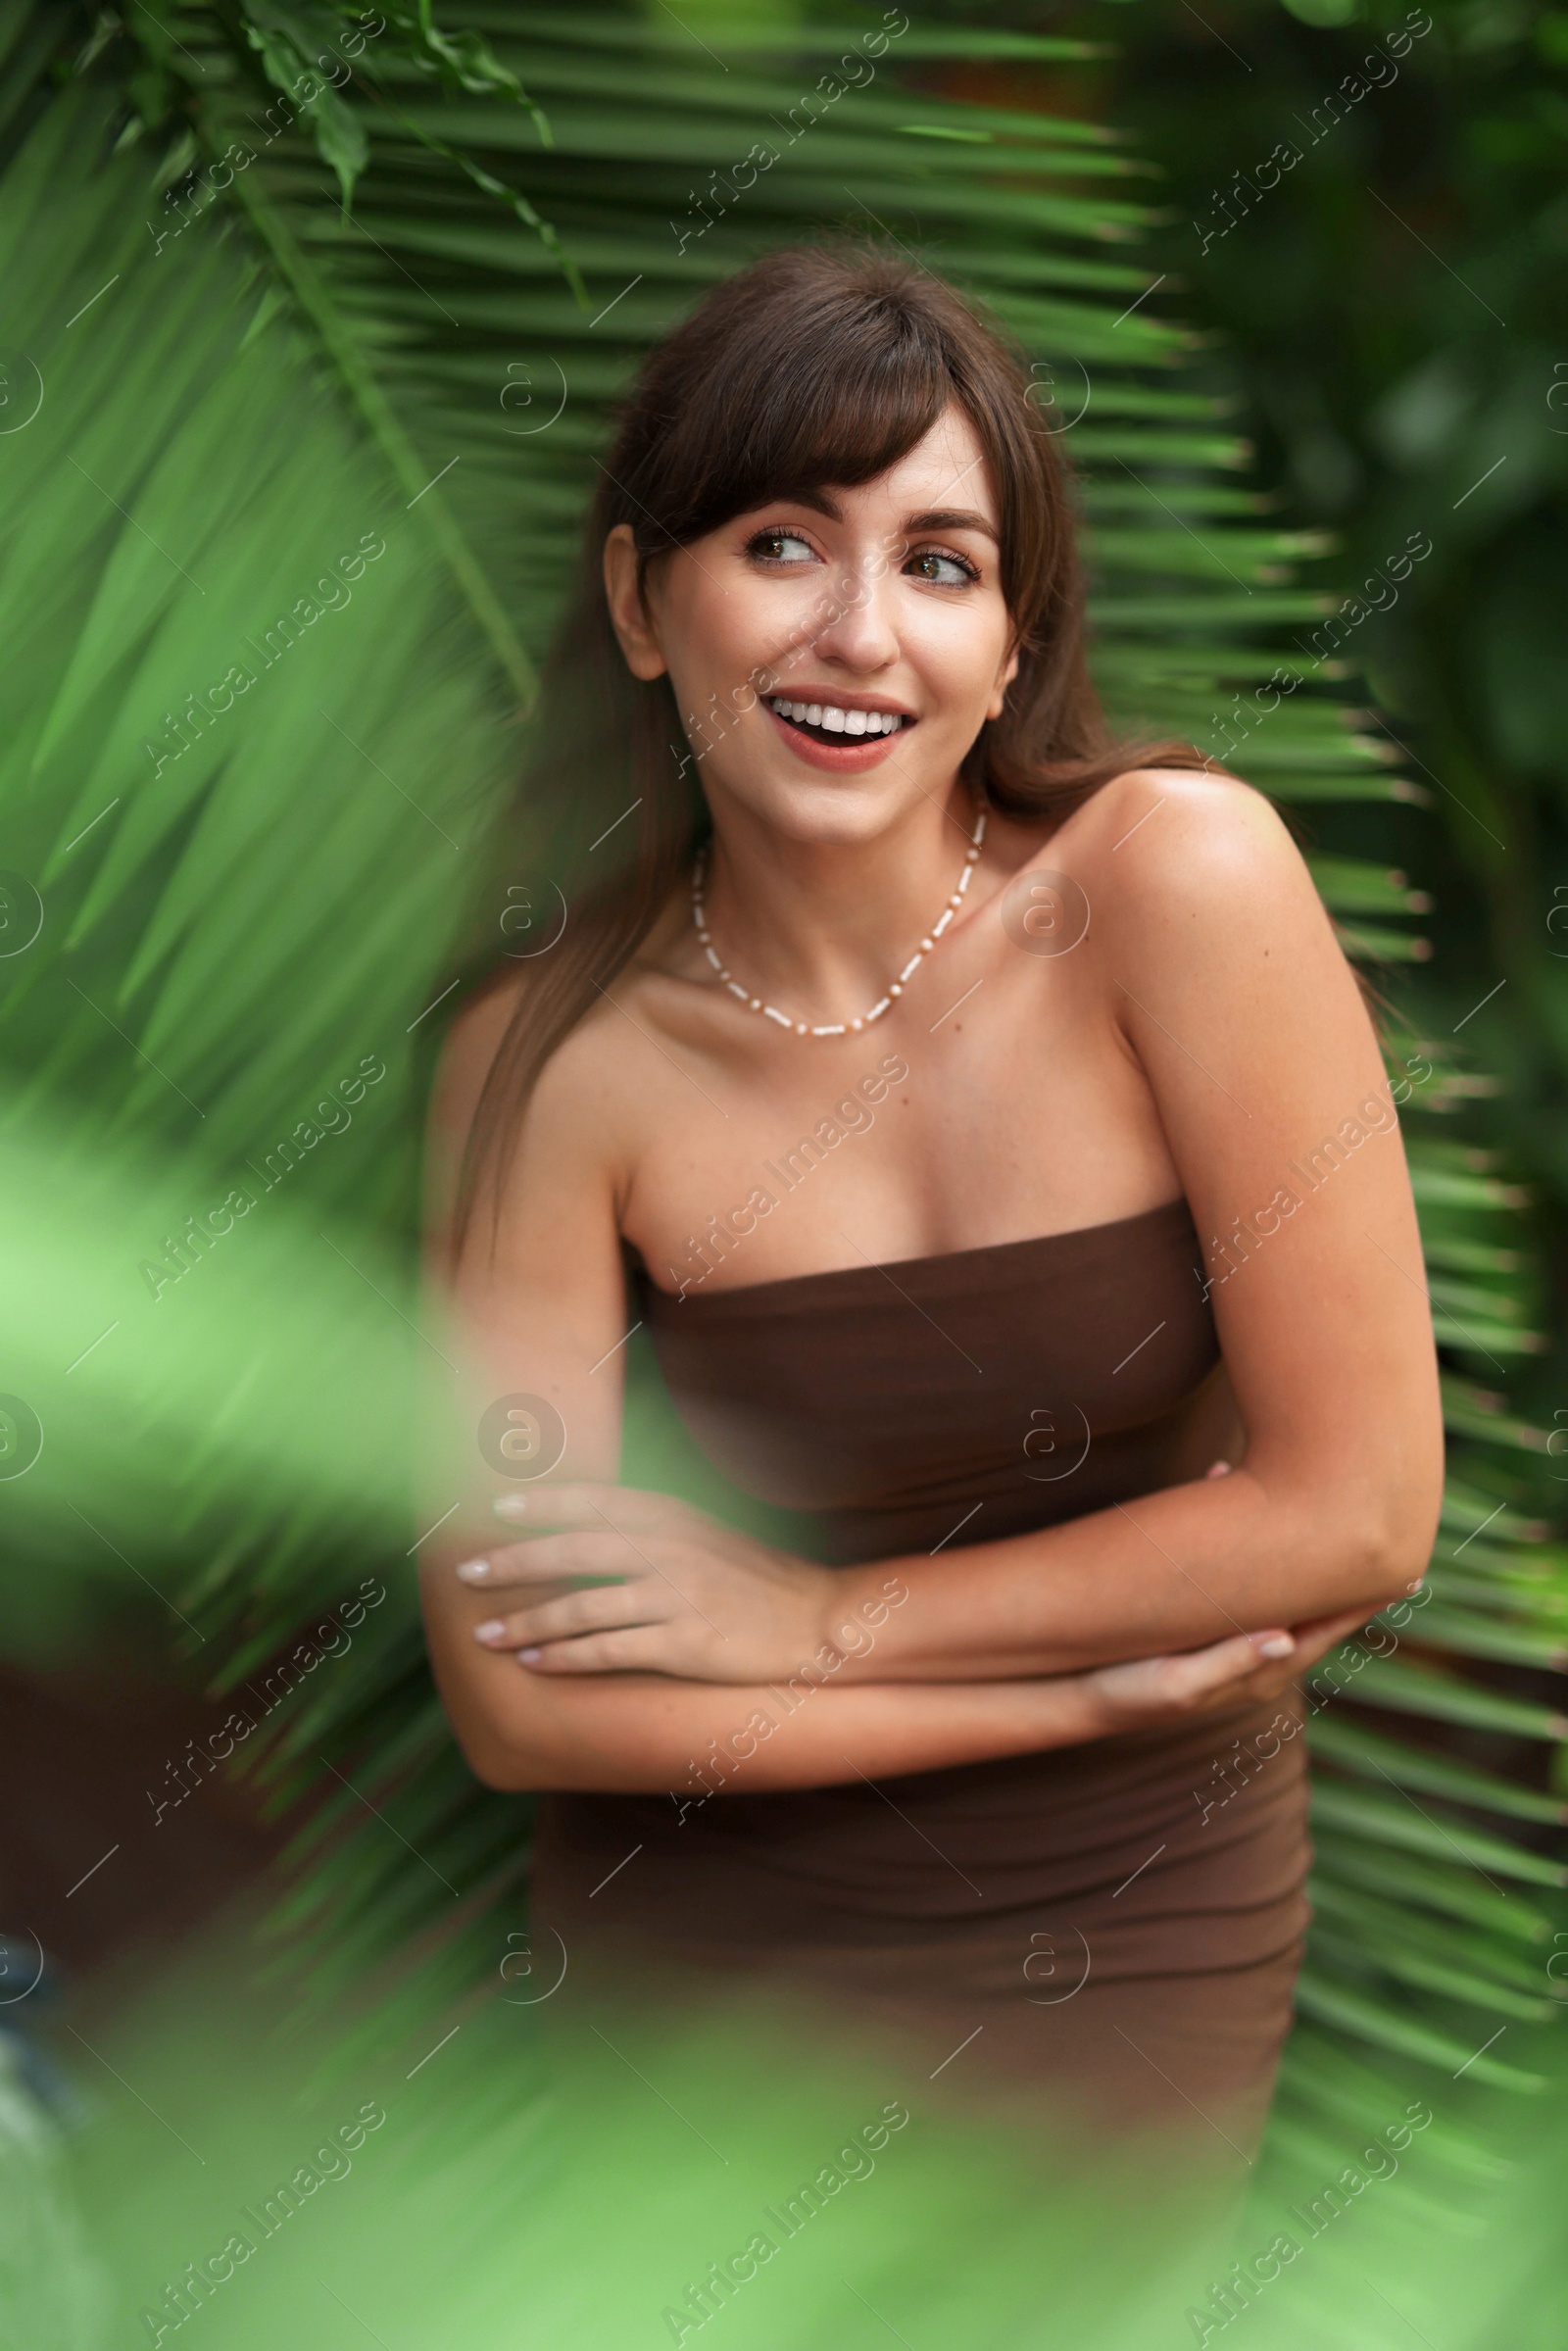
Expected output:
(407, 466)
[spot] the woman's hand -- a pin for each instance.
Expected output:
(696, 1601)
(1244, 1670)
(690, 1597)
(1149, 1692)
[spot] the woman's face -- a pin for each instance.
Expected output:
(874, 620)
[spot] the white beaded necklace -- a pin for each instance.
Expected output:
(836, 1028)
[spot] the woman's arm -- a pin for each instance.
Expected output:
(1219, 974)
(531, 1310)
(649, 1734)
(1243, 1013)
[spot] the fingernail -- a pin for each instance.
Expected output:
(527, 1656)
(493, 1631)
(1219, 1469)
(1275, 1644)
(473, 1571)
(511, 1505)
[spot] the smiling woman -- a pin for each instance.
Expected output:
(831, 580)
(751, 445)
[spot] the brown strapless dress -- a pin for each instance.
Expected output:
(1118, 1924)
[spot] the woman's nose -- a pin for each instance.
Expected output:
(859, 629)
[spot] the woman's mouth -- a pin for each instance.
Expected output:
(832, 735)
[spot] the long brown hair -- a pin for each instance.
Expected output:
(818, 366)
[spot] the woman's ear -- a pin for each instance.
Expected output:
(1005, 677)
(628, 614)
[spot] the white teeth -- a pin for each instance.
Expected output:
(839, 721)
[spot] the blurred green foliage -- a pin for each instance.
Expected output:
(1395, 312)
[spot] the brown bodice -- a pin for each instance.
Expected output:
(957, 1398)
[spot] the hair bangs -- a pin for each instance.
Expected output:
(832, 393)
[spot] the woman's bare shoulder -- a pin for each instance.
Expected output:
(473, 1038)
(1159, 846)
(569, 1146)
(574, 1074)
(1193, 808)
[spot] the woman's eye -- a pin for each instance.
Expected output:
(780, 547)
(943, 571)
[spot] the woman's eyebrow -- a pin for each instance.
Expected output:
(820, 501)
(936, 517)
(950, 517)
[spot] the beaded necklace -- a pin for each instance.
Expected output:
(837, 1028)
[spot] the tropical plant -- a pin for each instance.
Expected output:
(261, 335)
(1390, 313)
